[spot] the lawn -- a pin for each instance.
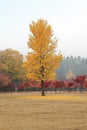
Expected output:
(30, 111)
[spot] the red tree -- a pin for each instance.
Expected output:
(80, 81)
(4, 81)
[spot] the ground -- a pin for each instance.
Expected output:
(30, 111)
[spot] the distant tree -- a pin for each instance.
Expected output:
(85, 82)
(42, 61)
(56, 84)
(30, 83)
(47, 83)
(61, 70)
(70, 75)
(20, 87)
(77, 65)
(11, 62)
(11, 87)
(69, 85)
(4, 81)
(80, 81)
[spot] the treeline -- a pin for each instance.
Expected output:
(11, 63)
(71, 67)
(79, 84)
(12, 73)
(11, 70)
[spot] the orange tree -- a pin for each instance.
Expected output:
(41, 63)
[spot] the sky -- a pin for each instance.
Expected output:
(68, 19)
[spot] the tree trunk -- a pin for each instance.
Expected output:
(42, 86)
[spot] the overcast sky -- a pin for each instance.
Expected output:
(68, 19)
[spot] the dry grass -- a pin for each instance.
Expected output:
(30, 111)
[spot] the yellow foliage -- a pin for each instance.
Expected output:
(11, 62)
(59, 97)
(42, 62)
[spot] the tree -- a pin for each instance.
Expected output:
(4, 81)
(11, 62)
(70, 75)
(77, 65)
(80, 80)
(41, 63)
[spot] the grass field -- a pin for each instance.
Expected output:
(30, 111)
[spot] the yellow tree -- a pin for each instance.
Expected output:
(11, 62)
(41, 63)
